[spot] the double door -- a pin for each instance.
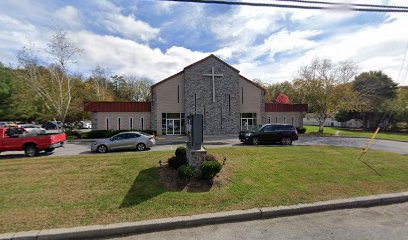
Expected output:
(173, 127)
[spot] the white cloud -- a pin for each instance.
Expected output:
(69, 16)
(123, 56)
(130, 27)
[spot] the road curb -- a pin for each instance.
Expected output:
(121, 229)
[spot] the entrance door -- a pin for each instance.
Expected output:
(173, 127)
(247, 124)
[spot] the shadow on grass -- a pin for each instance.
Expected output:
(145, 186)
(155, 181)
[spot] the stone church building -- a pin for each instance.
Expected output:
(227, 100)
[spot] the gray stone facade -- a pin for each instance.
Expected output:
(223, 115)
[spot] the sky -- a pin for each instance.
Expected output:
(156, 39)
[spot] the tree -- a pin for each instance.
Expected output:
(103, 87)
(374, 89)
(132, 88)
(52, 83)
(326, 87)
(282, 99)
(7, 89)
(273, 91)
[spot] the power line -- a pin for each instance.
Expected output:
(373, 8)
(344, 4)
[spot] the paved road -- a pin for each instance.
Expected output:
(228, 141)
(385, 222)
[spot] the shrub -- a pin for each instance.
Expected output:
(210, 157)
(185, 172)
(73, 133)
(176, 161)
(181, 152)
(210, 169)
(301, 130)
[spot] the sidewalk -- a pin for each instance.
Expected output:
(121, 229)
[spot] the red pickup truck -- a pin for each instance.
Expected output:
(13, 139)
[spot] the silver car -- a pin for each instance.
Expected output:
(126, 140)
(33, 129)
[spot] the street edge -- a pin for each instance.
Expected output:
(129, 228)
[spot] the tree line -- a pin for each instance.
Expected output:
(44, 91)
(47, 90)
(336, 90)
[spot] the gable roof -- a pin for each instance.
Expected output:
(200, 61)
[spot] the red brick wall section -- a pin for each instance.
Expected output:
(276, 107)
(118, 107)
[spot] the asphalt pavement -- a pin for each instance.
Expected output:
(384, 222)
(172, 142)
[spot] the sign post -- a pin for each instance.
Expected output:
(195, 151)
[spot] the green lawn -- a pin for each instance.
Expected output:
(346, 132)
(38, 193)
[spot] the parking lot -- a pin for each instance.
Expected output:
(172, 142)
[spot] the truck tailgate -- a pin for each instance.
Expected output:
(57, 138)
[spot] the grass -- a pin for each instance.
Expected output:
(346, 132)
(49, 192)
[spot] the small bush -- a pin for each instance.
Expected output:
(181, 152)
(210, 169)
(301, 130)
(210, 157)
(73, 134)
(175, 161)
(185, 172)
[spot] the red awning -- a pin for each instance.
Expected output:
(118, 107)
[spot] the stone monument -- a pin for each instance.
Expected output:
(195, 151)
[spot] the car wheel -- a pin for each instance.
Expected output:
(31, 151)
(102, 149)
(255, 141)
(141, 147)
(286, 141)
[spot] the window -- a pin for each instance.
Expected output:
(293, 120)
(178, 93)
(195, 103)
(221, 116)
(248, 121)
(130, 123)
(171, 120)
(267, 128)
(242, 95)
(276, 119)
(107, 123)
(229, 104)
(119, 123)
(269, 120)
(133, 135)
(284, 120)
(142, 123)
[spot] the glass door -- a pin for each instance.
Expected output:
(170, 127)
(173, 127)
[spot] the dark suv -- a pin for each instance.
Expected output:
(269, 133)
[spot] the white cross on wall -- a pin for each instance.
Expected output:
(213, 75)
